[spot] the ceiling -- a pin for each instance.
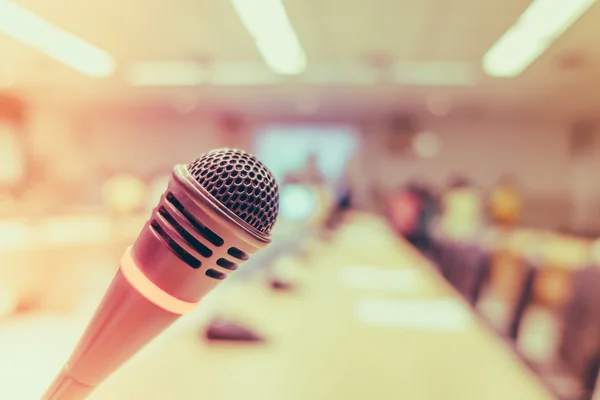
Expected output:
(340, 37)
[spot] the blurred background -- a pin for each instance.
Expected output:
(425, 151)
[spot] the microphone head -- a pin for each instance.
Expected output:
(216, 212)
(241, 183)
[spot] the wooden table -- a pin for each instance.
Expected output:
(319, 349)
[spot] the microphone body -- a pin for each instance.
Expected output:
(124, 323)
(191, 242)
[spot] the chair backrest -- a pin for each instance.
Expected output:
(579, 347)
(437, 252)
(467, 268)
(529, 268)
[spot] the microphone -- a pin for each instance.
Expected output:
(215, 213)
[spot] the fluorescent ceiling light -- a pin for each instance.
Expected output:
(537, 28)
(269, 25)
(34, 31)
(166, 73)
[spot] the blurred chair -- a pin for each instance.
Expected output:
(440, 253)
(524, 297)
(573, 373)
(436, 252)
(510, 325)
(465, 265)
(483, 266)
(579, 349)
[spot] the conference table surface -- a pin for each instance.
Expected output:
(339, 335)
(369, 319)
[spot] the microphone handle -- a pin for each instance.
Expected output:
(130, 315)
(66, 388)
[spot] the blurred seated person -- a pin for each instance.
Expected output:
(411, 211)
(505, 202)
(404, 209)
(462, 210)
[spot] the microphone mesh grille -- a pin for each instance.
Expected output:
(241, 183)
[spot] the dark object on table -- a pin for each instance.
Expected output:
(221, 329)
(281, 285)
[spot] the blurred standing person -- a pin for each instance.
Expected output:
(342, 201)
(505, 202)
(462, 210)
(312, 172)
(312, 176)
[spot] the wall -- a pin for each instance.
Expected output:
(76, 152)
(139, 147)
(141, 143)
(536, 152)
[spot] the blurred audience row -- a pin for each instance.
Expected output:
(460, 211)
(537, 289)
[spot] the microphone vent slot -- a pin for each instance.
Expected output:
(179, 251)
(237, 253)
(191, 240)
(213, 273)
(205, 232)
(222, 262)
